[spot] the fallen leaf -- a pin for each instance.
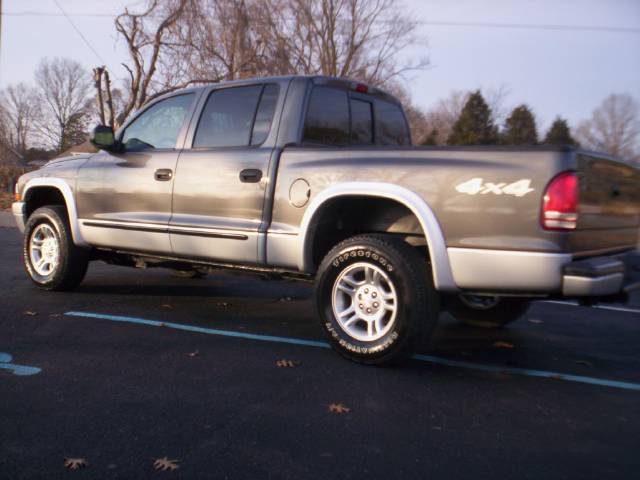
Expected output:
(30, 313)
(338, 408)
(535, 320)
(287, 363)
(194, 353)
(165, 464)
(586, 363)
(506, 345)
(75, 463)
(167, 306)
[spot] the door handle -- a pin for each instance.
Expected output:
(163, 174)
(250, 175)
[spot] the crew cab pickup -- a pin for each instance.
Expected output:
(315, 178)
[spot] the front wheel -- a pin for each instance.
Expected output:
(486, 311)
(51, 259)
(375, 298)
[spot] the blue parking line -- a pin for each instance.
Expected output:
(312, 343)
(21, 370)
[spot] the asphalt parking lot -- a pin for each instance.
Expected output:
(82, 375)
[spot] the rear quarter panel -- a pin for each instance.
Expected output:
(486, 219)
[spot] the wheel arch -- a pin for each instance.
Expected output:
(428, 223)
(58, 189)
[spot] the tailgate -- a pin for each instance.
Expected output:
(609, 208)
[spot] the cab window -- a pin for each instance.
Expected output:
(159, 125)
(236, 117)
(391, 125)
(327, 121)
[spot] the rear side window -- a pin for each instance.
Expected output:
(361, 122)
(264, 116)
(391, 126)
(227, 119)
(327, 121)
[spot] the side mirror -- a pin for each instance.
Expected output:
(103, 138)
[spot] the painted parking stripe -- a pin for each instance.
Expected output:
(312, 343)
(21, 370)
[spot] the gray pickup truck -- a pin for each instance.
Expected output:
(314, 178)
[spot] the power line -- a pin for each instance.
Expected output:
(80, 33)
(530, 26)
(434, 23)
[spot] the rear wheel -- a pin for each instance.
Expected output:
(375, 299)
(51, 259)
(487, 311)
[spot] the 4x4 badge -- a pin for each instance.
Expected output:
(477, 186)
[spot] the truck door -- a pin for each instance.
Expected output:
(124, 199)
(221, 177)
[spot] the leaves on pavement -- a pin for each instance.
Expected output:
(287, 363)
(586, 363)
(164, 464)
(75, 463)
(338, 408)
(505, 345)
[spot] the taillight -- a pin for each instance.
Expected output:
(560, 203)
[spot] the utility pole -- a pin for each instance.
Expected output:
(0, 37)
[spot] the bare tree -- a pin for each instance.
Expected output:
(19, 110)
(151, 36)
(361, 39)
(176, 43)
(64, 87)
(614, 127)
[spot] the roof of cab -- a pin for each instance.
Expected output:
(345, 82)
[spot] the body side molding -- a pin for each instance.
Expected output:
(442, 275)
(67, 193)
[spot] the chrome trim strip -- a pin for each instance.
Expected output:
(442, 274)
(162, 228)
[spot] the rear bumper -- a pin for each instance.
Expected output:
(17, 208)
(534, 273)
(598, 276)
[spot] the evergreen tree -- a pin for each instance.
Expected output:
(432, 138)
(474, 125)
(559, 133)
(520, 127)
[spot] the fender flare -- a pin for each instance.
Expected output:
(63, 187)
(441, 268)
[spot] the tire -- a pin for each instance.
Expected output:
(398, 275)
(490, 315)
(68, 263)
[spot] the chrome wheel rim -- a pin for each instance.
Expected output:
(364, 301)
(44, 249)
(479, 302)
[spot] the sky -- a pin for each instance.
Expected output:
(556, 72)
